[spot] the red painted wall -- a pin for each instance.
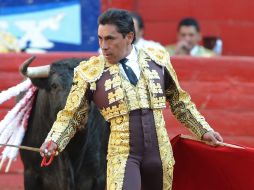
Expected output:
(222, 89)
(232, 20)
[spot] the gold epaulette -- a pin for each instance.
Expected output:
(91, 70)
(160, 56)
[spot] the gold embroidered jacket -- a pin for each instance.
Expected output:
(85, 77)
(115, 102)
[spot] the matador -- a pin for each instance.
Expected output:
(130, 87)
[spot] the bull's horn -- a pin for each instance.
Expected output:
(23, 67)
(38, 72)
(34, 72)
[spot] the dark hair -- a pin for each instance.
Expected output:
(120, 18)
(189, 22)
(139, 20)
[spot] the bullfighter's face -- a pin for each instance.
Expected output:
(114, 45)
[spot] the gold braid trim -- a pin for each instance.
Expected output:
(91, 70)
(166, 153)
(159, 56)
(182, 106)
(118, 151)
(157, 98)
(72, 116)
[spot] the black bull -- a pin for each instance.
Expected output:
(82, 165)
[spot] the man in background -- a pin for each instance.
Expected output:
(189, 36)
(140, 42)
(8, 42)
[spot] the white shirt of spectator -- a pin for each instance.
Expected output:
(142, 43)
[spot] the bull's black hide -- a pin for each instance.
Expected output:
(82, 165)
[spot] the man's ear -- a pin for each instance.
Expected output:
(130, 37)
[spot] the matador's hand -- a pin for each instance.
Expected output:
(212, 137)
(48, 148)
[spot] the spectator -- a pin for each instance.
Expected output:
(188, 40)
(140, 42)
(213, 43)
(8, 42)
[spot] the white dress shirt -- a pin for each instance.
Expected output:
(132, 63)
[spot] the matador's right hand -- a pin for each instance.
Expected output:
(48, 149)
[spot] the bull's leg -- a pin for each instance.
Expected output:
(55, 184)
(59, 175)
(49, 178)
(32, 180)
(89, 181)
(87, 184)
(100, 183)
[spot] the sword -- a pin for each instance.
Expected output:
(219, 143)
(22, 147)
(44, 160)
(19, 147)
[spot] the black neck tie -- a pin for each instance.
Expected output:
(129, 72)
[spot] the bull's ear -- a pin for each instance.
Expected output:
(42, 83)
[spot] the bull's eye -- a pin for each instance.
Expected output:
(53, 85)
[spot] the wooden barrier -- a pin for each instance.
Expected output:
(221, 87)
